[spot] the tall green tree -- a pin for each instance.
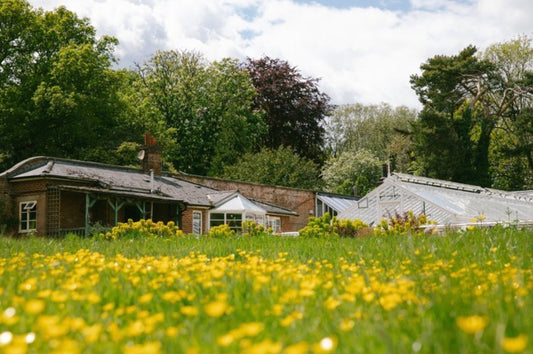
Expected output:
(452, 133)
(280, 167)
(476, 106)
(352, 172)
(294, 107)
(57, 88)
(204, 109)
(511, 153)
(380, 129)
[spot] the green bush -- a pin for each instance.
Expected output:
(221, 231)
(142, 229)
(402, 224)
(327, 226)
(252, 229)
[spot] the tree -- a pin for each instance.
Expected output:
(204, 109)
(511, 153)
(452, 133)
(293, 105)
(280, 167)
(352, 172)
(381, 129)
(57, 90)
(474, 124)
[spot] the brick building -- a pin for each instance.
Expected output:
(54, 196)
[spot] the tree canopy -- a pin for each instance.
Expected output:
(381, 130)
(280, 167)
(261, 119)
(354, 172)
(293, 105)
(205, 109)
(469, 99)
(58, 92)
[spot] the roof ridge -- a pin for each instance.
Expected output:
(403, 177)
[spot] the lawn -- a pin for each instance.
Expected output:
(468, 292)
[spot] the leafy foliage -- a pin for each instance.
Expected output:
(380, 129)
(253, 229)
(205, 109)
(402, 224)
(473, 127)
(221, 231)
(293, 105)
(352, 172)
(279, 167)
(328, 226)
(58, 94)
(142, 228)
(451, 130)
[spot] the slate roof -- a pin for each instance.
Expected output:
(125, 181)
(111, 179)
(443, 201)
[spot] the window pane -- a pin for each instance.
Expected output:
(197, 223)
(215, 223)
(28, 216)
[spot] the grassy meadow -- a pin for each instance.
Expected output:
(468, 292)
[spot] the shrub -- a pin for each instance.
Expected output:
(251, 228)
(142, 228)
(331, 226)
(402, 224)
(221, 231)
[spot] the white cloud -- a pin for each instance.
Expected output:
(360, 54)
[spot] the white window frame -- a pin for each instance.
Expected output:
(197, 228)
(271, 220)
(26, 208)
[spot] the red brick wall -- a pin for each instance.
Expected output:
(72, 210)
(300, 201)
(31, 190)
(7, 208)
(186, 220)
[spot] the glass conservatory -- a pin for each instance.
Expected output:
(236, 210)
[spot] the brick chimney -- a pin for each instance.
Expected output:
(151, 155)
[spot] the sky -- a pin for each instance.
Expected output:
(361, 51)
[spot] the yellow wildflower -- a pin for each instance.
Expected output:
(472, 324)
(172, 331)
(66, 346)
(216, 308)
(146, 298)
(225, 340)
(514, 344)
(346, 324)
(189, 310)
(34, 306)
(331, 303)
(298, 348)
(264, 347)
(251, 329)
(135, 329)
(92, 333)
(145, 348)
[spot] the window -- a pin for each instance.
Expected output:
(234, 221)
(216, 219)
(274, 223)
(197, 222)
(28, 216)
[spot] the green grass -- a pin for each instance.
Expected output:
(394, 294)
